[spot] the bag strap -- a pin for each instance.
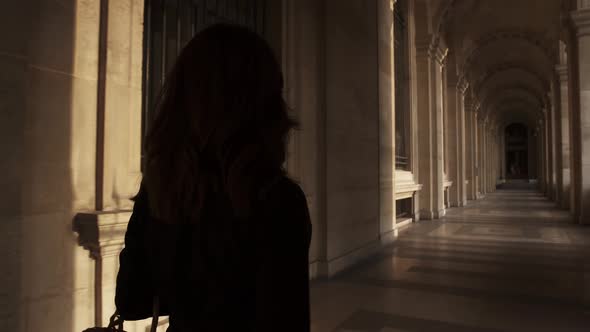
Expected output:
(155, 314)
(116, 321)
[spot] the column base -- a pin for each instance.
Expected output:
(432, 215)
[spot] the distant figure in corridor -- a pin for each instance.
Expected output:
(219, 234)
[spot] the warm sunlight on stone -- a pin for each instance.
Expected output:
(444, 149)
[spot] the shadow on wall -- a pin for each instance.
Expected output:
(36, 102)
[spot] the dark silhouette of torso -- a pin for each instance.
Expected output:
(221, 273)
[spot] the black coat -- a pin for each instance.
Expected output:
(221, 273)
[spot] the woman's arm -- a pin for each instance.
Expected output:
(134, 296)
(282, 278)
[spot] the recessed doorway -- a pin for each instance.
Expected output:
(517, 154)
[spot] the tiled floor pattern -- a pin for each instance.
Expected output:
(509, 262)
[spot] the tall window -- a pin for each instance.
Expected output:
(402, 92)
(170, 24)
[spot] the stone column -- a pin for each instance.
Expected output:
(563, 77)
(556, 141)
(549, 154)
(487, 169)
(425, 132)
(461, 150)
(545, 157)
(386, 120)
(469, 141)
(541, 157)
(492, 160)
(478, 145)
(502, 155)
(499, 154)
(581, 19)
(453, 138)
(484, 157)
(430, 62)
(476, 149)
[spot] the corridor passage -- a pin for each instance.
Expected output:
(509, 262)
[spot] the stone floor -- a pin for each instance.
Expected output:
(509, 262)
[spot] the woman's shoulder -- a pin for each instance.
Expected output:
(284, 197)
(283, 190)
(285, 210)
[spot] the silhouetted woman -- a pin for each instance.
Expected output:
(219, 234)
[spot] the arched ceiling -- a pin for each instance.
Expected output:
(505, 49)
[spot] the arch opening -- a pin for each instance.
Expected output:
(517, 152)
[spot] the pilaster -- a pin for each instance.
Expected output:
(563, 79)
(581, 20)
(117, 166)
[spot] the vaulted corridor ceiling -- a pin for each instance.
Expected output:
(507, 49)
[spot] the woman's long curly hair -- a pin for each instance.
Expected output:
(220, 128)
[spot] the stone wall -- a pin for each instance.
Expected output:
(52, 93)
(352, 132)
(48, 60)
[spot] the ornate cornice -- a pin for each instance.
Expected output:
(102, 233)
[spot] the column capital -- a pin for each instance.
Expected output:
(581, 20)
(438, 52)
(468, 105)
(463, 85)
(562, 72)
(476, 105)
(423, 46)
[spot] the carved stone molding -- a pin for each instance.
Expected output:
(102, 233)
(438, 52)
(562, 73)
(463, 85)
(468, 104)
(423, 46)
(581, 20)
(476, 105)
